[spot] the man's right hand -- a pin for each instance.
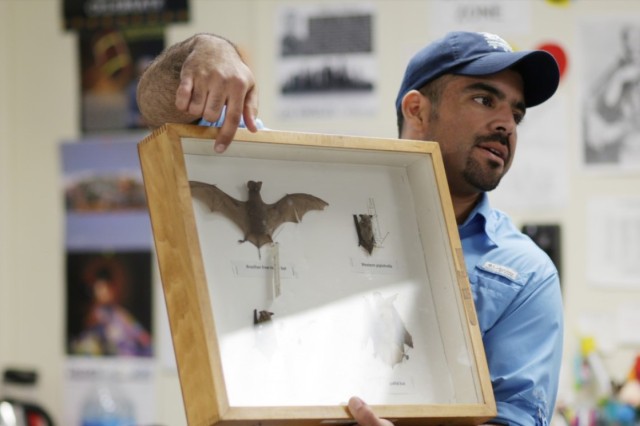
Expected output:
(214, 76)
(197, 78)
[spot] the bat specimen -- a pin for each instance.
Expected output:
(389, 335)
(364, 228)
(257, 220)
(261, 316)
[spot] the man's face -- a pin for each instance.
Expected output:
(475, 126)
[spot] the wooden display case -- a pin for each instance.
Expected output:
(366, 295)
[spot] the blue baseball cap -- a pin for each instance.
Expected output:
(475, 53)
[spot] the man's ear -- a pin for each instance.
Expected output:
(415, 109)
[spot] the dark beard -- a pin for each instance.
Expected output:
(476, 177)
(473, 172)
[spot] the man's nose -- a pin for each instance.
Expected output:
(504, 122)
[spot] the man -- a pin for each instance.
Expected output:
(468, 92)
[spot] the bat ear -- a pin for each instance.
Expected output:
(258, 186)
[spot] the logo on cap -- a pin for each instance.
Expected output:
(496, 42)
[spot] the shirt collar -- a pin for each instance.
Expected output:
(481, 217)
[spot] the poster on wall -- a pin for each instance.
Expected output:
(108, 246)
(109, 339)
(613, 242)
(326, 63)
(547, 236)
(112, 61)
(92, 14)
(104, 195)
(109, 303)
(610, 94)
(504, 17)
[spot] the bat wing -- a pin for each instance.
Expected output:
(291, 208)
(218, 201)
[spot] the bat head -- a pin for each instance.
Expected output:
(254, 186)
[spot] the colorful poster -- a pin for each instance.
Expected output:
(109, 303)
(110, 340)
(108, 244)
(111, 63)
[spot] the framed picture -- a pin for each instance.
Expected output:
(302, 269)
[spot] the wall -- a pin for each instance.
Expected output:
(4, 289)
(39, 108)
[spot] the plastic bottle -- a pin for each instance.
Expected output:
(106, 405)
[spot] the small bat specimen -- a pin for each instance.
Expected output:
(364, 228)
(261, 316)
(389, 334)
(257, 220)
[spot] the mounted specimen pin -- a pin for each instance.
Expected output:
(276, 284)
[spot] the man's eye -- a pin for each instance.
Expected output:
(518, 118)
(483, 100)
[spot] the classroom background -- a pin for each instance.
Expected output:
(74, 226)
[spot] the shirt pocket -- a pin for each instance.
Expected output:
(492, 295)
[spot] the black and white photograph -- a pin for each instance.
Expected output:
(611, 93)
(326, 60)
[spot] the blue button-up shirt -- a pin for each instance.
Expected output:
(517, 294)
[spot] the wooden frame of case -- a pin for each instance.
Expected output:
(196, 344)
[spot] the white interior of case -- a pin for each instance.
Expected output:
(336, 324)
